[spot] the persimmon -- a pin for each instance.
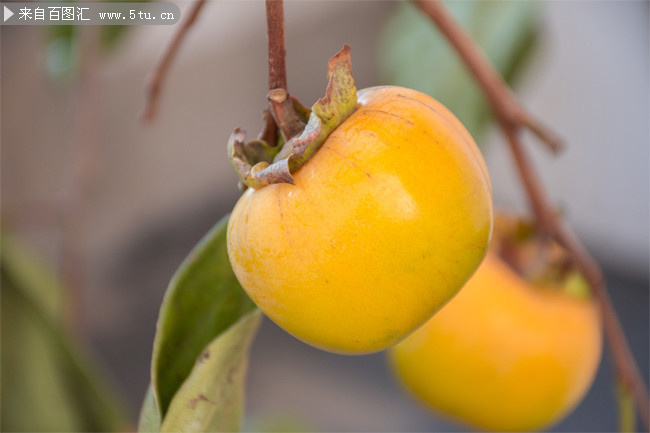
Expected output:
(379, 228)
(504, 354)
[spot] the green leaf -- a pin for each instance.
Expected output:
(412, 53)
(48, 382)
(149, 420)
(203, 300)
(211, 398)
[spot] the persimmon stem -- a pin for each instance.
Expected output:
(280, 103)
(157, 79)
(277, 50)
(510, 116)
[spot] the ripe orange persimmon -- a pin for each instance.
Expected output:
(384, 224)
(503, 355)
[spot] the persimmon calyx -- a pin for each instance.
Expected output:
(539, 260)
(258, 163)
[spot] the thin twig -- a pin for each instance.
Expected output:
(510, 115)
(545, 134)
(74, 200)
(626, 368)
(280, 103)
(505, 104)
(540, 203)
(156, 81)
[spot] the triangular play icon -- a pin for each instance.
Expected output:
(8, 13)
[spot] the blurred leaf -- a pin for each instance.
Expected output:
(112, 35)
(62, 57)
(62, 49)
(412, 53)
(211, 399)
(48, 384)
(575, 285)
(203, 300)
(626, 409)
(149, 421)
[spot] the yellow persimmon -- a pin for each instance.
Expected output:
(503, 355)
(384, 224)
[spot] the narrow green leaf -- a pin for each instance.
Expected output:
(211, 399)
(32, 381)
(412, 53)
(48, 382)
(37, 282)
(149, 420)
(203, 300)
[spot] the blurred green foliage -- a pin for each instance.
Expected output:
(48, 382)
(63, 47)
(412, 53)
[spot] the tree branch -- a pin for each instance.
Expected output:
(74, 200)
(280, 103)
(156, 81)
(506, 106)
(510, 116)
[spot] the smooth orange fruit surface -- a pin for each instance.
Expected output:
(503, 355)
(384, 225)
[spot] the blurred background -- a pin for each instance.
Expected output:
(110, 207)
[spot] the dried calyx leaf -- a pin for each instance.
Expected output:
(538, 259)
(250, 158)
(260, 162)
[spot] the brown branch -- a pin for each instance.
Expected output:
(510, 116)
(552, 141)
(539, 202)
(506, 106)
(156, 81)
(73, 204)
(626, 368)
(280, 103)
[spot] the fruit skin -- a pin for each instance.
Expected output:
(503, 355)
(384, 225)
